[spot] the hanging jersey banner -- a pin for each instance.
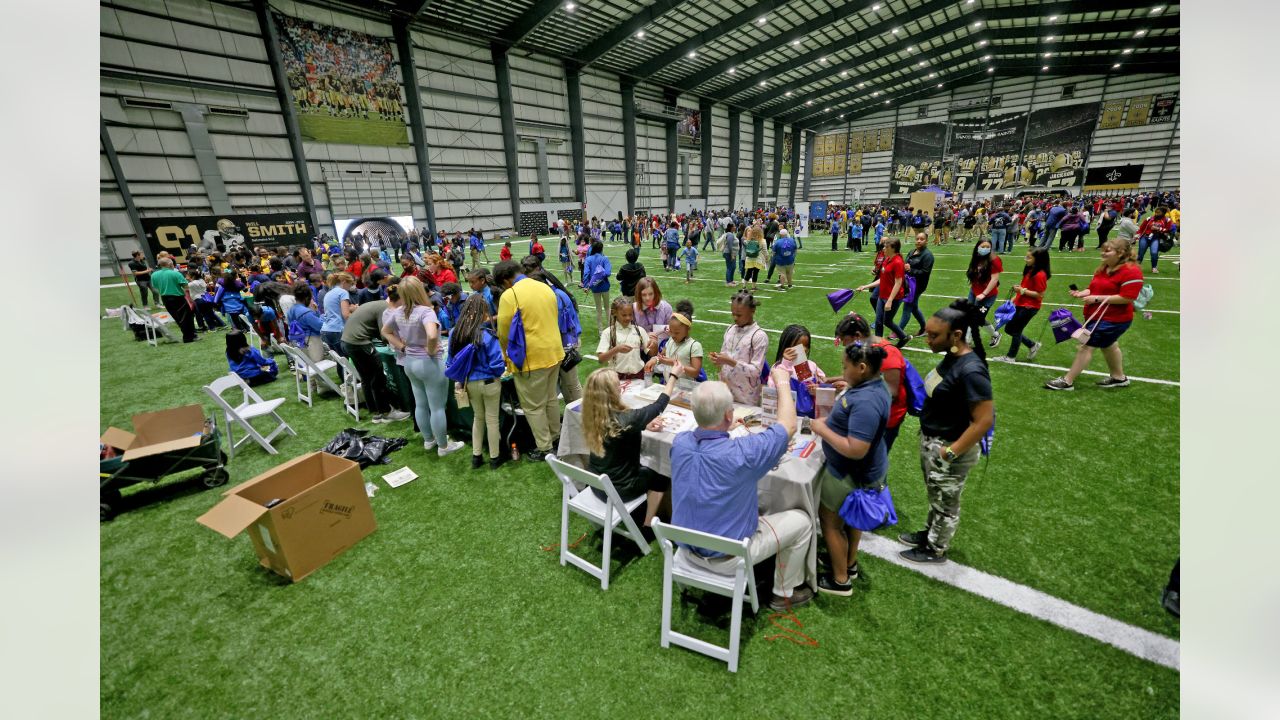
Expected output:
(177, 234)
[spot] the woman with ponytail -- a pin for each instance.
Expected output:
(1115, 285)
(957, 413)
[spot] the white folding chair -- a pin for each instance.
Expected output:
(351, 384)
(153, 327)
(255, 340)
(676, 567)
(251, 406)
(605, 513)
(304, 371)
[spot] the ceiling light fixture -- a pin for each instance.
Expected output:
(808, 102)
(939, 85)
(933, 75)
(982, 43)
(920, 64)
(875, 7)
(733, 70)
(1046, 67)
(762, 20)
(822, 60)
(1126, 51)
(569, 7)
(991, 70)
(640, 34)
(692, 54)
(911, 48)
(861, 84)
(844, 73)
(1047, 54)
(1053, 18)
(875, 93)
(826, 110)
(978, 24)
(1156, 10)
(788, 93)
(1140, 33)
(763, 83)
(1116, 66)
(886, 102)
(1049, 39)
(986, 57)
(795, 43)
(894, 31)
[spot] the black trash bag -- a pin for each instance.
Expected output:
(358, 446)
(377, 449)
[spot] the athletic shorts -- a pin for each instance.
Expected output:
(1107, 333)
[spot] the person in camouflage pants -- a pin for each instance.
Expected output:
(944, 482)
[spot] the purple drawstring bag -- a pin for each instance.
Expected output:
(868, 509)
(1064, 324)
(839, 299)
(911, 290)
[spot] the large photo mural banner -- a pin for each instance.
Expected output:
(917, 157)
(344, 84)
(1057, 142)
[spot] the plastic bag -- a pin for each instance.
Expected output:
(358, 446)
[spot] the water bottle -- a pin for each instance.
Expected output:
(515, 453)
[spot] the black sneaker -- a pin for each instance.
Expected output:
(477, 462)
(924, 555)
(497, 462)
(828, 584)
(1111, 382)
(1169, 599)
(854, 572)
(915, 539)
(535, 456)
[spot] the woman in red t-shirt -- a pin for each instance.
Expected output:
(439, 270)
(854, 328)
(1108, 311)
(892, 285)
(1028, 297)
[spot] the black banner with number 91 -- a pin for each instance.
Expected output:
(176, 235)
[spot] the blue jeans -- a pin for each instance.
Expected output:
(729, 265)
(1145, 243)
(1049, 234)
(430, 393)
(998, 239)
(884, 316)
(710, 242)
(333, 338)
(911, 309)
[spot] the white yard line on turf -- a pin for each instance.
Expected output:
(1136, 641)
(941, 297)
(1154, 381)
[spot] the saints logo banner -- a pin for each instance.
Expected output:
(1139, 109)
(1057, 141)
(226, 233)
(1162, 109)
(917, 157)
(1109, 178)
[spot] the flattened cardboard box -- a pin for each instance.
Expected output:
(158, 432)
(322, 511)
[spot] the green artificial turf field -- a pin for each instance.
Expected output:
(452, 609)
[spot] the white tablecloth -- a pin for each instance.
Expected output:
(792, 484)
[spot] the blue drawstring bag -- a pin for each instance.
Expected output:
(989, 438)
(915, 388)
(516, 348)
(459, 366)
(868, 509)
(1005, 313)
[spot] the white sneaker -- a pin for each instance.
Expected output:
(450, 448)
(396, 416)
(378, 419)
(1035, 350)
(995, 339)
(1001, 359)
(428, 445)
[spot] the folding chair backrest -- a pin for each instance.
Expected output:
(569, 474)
(345, 364)
(696, 538)
(231, 380)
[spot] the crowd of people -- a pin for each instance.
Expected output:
(520, 322)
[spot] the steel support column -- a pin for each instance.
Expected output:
(502, 75)
(271, 39)
(757, 159)
(735, 154)
(672, 154)
(808, 162)
(627, 89)
(129, 208)
(577, 137)
(417, 128)
(705, 111)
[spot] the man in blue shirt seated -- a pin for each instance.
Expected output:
(713, 490)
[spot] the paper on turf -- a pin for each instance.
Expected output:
(396, 478)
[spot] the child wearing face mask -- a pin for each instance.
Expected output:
(984, 279)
